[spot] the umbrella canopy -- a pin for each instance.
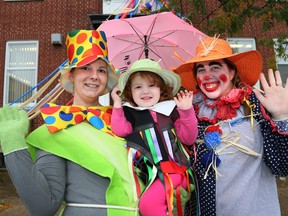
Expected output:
(163, 37)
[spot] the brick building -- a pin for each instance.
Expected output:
(46, 23)
(37, 21)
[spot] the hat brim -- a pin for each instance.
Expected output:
(68, 84)
(171, 79)
(249, 66)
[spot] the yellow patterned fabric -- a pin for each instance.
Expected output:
(60, 117)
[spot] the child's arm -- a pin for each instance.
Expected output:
(120, 126)
(117, 100)
(186, 125)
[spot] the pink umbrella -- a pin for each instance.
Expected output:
(163, 37)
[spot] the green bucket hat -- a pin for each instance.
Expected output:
(170, 78)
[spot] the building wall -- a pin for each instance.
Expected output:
(36, 20)
(251, 29)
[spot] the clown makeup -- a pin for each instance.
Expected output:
(214, 78)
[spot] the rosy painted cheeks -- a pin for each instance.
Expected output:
(199, 81)
(223, 78)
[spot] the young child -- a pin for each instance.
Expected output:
(155, 125)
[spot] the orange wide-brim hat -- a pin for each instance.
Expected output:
(249, 64)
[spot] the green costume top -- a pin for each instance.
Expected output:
(98, 152)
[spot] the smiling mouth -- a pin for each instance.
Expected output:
(146, 98)
(210, 87)
(91, 85)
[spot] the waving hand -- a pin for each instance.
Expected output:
(275, 98)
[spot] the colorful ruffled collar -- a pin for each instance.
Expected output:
(222, 109)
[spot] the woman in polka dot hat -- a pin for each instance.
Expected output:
(76, 161)
(243, 134)
(84, 47)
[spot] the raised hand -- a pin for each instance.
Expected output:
(183, 99)
(117, 100)
(275, 97)
(14, 126)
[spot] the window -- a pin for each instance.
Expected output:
(243, 45)
(281, 63)
(21, 63)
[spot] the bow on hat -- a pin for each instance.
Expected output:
(60, 117)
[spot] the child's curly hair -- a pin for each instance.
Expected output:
(166, 91)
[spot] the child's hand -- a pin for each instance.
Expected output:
(116, 98)
(184, 99)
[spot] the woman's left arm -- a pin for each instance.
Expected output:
(275, 144)
(275, 130)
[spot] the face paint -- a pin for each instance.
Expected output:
(223, 77)
(214, 78)
(199, 81)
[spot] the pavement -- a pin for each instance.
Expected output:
(11, 205)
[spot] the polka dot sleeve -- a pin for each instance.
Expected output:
(282, 127)
(275, 141)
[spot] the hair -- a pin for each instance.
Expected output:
(166, 91)
(236, 80)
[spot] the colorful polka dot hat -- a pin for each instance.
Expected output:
(84, 47)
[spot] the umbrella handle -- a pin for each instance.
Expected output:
(146, 50)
